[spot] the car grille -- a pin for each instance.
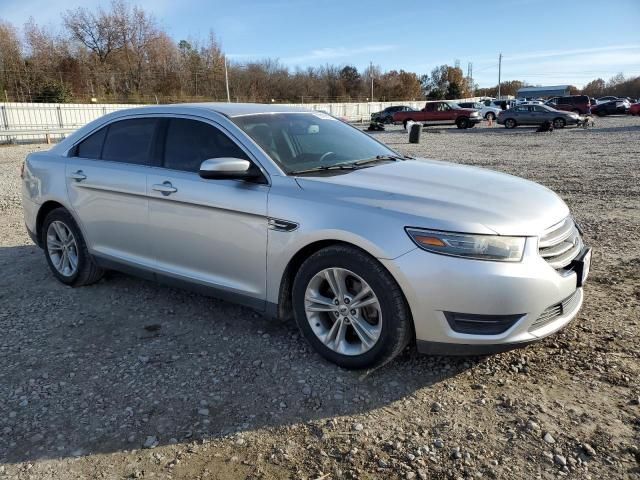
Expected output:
(560, 244)
(557, 310)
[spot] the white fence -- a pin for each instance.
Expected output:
(47, 121)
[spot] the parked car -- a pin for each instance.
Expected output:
(536, 115)
(634, 109)
(485, 112)
(498, 103)
(614, 107)
(440, 113)
(386, 115)
(580, 104)
(295, 213)
(609, 98)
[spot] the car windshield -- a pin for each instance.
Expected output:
(309, 141)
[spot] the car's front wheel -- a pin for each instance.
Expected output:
(559, 123)
(510, 123)
(350, 308)
(490, 116)
(66, 250)
(462, 122)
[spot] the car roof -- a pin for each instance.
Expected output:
(226, 109)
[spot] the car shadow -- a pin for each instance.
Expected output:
(105, 368)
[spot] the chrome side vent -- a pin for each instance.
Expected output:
(282, 225)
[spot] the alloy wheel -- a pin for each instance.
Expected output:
(343, 311)
(62, 248)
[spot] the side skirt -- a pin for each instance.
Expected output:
(166, 279)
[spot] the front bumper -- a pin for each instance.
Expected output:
(476, 119)
(436, 284)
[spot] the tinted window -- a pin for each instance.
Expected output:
(91, 146)
(130, 141)
(189, 143)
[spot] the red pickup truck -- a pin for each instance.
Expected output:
(440, 113)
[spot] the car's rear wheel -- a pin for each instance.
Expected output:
(490, 116)
(559, 123)
(510, 123)
(66, 250)
(350, 308)
(462, 122)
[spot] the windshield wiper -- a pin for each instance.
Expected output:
(352, 165)
(323, 168)
(381, 158)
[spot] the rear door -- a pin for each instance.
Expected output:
(207, 232)
(107, 183)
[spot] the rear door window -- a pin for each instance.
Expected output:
(188, 143)
(130, 141)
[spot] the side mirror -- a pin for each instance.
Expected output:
(227, 168)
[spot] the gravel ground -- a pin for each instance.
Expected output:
(129, 379)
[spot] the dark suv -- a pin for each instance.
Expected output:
(386, 115)
(575, 103)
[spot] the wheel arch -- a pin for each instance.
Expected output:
(43, 211)
(284, 307)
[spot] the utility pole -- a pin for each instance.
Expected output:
(226, 79)
(371, 75)
(499, 72)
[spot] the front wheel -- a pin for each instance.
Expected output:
(510, 123)
(490, 116)
(66, 251)
(350, 309)
(559, 123)
(462, 122)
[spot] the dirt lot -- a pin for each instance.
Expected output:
(129, 379)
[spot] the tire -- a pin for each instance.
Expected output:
(86, 271)
(490, 116)
(510, 123)
(394, 322)
(462, 122)
(559, 123)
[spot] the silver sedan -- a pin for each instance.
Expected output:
(296, 214)
(536, 115)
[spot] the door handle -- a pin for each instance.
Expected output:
(78, 176)
(165, 188)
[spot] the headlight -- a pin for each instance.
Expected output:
(479, 247)
(474, 114)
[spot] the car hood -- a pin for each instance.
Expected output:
(443, 195)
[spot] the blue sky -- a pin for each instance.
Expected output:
(543, 42)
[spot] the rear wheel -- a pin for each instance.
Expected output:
(510, 123)
(350, 309)
(462, 122)
(559, 123)
(66, 250)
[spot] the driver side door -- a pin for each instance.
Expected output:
(211, 233)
